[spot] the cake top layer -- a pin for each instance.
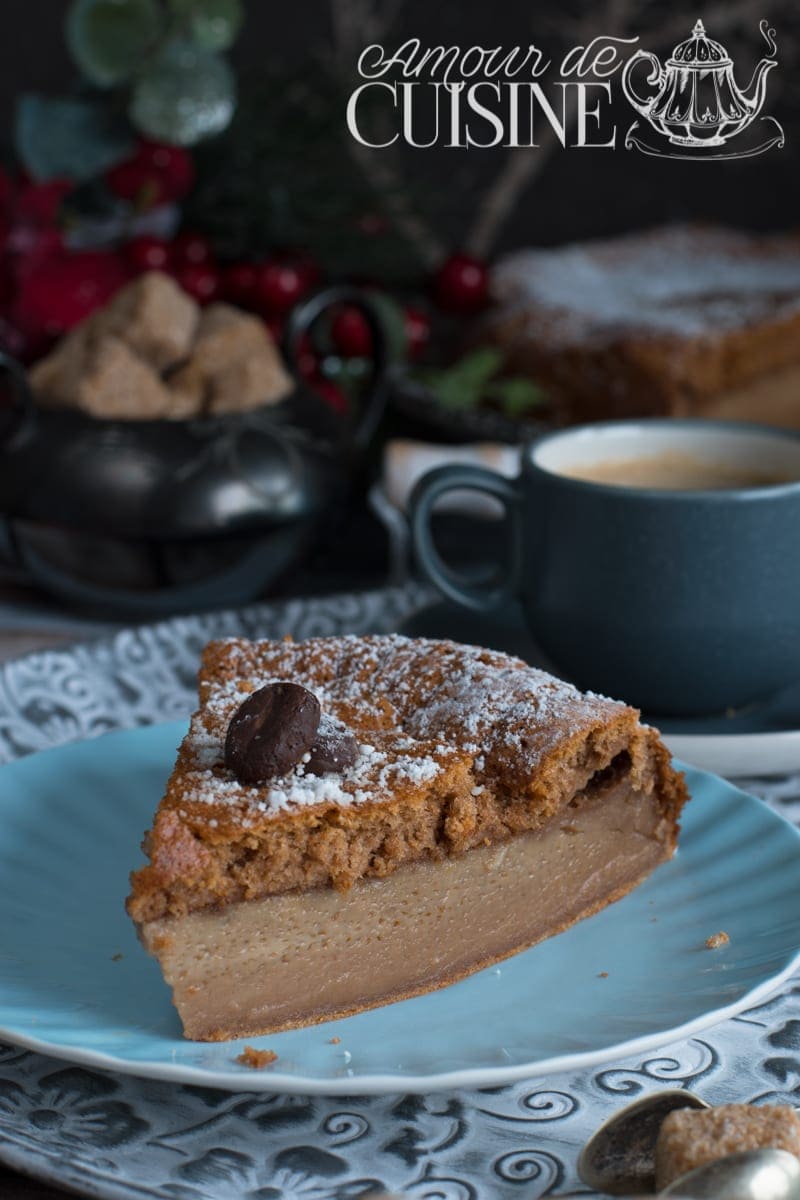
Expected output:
(417, 708)
(674, 281)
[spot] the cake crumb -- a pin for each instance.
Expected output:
(334, 1041)
(690, 1137)
(603, 975)
(716, 940)
(257, 1059)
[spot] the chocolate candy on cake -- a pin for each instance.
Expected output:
(334, 750)
(271, 732)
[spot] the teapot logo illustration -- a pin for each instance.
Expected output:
(696, 107)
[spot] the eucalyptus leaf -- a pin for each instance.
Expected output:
(472, 381)
(109, 39)
(185, 95)
(60, 138)
(516, 396)
(213, 24)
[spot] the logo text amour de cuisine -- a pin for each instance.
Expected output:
(485, 97)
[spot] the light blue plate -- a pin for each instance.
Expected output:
(75, 983)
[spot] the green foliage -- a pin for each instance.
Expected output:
(184, 95)
(475, 380)
(167, 53)
(69, 138)
(214, 24)
(109, 38)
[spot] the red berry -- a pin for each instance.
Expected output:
(147, 253)
(60, 292)
(417, 329)
(156, 174)
(351, 333)
(461, 284)
(239, 283)
(309, 270)
(173, 164)
(201, 282)
(279, 286)
(191, 250)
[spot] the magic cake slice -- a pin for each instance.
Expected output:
(477, 806)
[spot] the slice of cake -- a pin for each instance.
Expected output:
(677, 321)
(358, 820)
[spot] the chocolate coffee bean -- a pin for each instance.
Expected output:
(271, 731)
(333, 750)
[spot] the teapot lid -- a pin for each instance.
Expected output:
(700, 50)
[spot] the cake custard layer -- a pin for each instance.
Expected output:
(304, 957)
(481, 787)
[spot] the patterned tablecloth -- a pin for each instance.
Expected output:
(120, 1137)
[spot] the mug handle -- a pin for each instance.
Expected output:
(505, 584)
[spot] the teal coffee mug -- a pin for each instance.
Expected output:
(657, 561)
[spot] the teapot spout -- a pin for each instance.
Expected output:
(753, 95)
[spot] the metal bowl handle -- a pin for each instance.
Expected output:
(23, 411)
(303, 317)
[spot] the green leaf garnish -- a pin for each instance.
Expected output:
(474, 380)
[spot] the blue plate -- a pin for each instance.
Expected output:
(75, 983)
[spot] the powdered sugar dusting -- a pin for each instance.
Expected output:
(416, 708)
(680, 280)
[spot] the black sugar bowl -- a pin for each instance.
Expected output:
(143, 518)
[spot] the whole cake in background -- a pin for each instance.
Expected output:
(675, 321)
(152, 352)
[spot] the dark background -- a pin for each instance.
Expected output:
(580, 192)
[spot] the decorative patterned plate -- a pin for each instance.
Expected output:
(76, 984)
(120, 1137)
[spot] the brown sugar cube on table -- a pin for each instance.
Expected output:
(691, 1137)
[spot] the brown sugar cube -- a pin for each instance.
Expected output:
(691, 1137)
(54, 379)
(226, 334)
(259, 379)
(154, 317)
(116, 384)
(237, 359)
(188, 388)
